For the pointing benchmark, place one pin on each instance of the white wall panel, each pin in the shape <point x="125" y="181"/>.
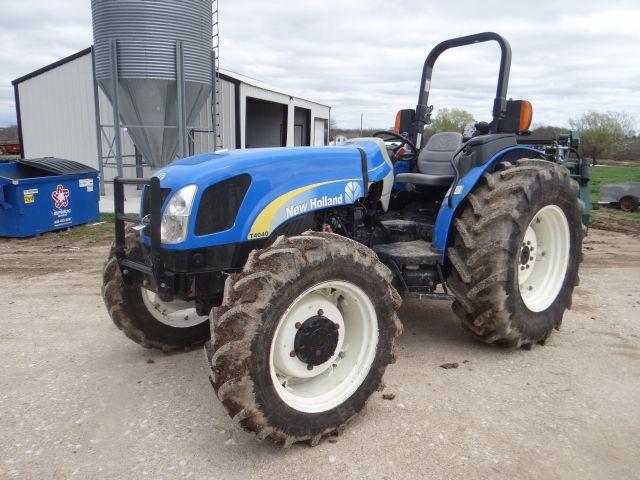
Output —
<point x="203" y="142"/>
<point x="57" y="113"/>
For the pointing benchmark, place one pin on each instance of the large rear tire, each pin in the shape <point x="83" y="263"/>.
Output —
<point x="303" y="336"/>
<point x="142" y="316"/>
<point x="516" y="251"/>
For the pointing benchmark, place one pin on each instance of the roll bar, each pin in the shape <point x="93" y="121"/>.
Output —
<point x="423" y="110"/>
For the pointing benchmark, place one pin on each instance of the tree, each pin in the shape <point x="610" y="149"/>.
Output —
<point x="9" y="134"/>
<point x="599" y="133"/>
<point x="627" y="122"/>
<point x="453" y="120"/>
<point x="547" y="131"/>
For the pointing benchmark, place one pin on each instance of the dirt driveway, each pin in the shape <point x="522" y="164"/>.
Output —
<point x="79" y="400"/>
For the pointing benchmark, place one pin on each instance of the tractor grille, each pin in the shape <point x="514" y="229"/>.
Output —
<point x="220" y="203"/>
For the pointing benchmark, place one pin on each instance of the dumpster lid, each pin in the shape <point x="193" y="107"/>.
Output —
<point x="57" y="166"/>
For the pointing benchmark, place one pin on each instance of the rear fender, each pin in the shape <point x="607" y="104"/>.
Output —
<point x="465" y="185"/>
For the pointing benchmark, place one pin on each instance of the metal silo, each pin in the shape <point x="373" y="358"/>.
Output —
<point x="153" y="59"/>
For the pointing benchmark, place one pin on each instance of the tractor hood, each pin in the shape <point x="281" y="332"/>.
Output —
<point x="285" y="183"/>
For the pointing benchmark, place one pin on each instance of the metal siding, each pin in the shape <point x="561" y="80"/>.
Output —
<point x="57" y="113"/>
<point x="228" y="114"/>
<point x="147" y="33"/>
<point x="203" y="143"/>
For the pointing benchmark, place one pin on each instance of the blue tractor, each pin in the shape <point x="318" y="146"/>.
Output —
<point x="290" y="263"/>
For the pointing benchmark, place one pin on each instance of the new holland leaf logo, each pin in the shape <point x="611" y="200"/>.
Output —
<point x="60" y="196"/>
<point x="352" y="191"/>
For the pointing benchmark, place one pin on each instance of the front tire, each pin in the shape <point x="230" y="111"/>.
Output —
<point x="303" y="336"/>
<point x="516" y="252"/>
<point x="142" y="316"/>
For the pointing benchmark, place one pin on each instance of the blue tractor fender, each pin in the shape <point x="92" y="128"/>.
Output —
<point x="465" y="185"/>
<point x="285" y="183"/>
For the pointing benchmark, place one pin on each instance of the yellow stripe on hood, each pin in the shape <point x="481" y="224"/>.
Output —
<point x="262" y="224"/>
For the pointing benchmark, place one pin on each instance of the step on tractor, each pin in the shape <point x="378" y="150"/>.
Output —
<point x="290" y="264"/>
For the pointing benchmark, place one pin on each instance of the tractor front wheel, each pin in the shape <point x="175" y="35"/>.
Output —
<point x="517" y="248"/>
<point x="142" y="315"/>
<point x="303" y="336"/>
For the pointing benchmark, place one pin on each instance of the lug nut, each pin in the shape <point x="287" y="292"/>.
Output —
<point x="528" y="242"/>
<point x="336" y="326"/>
<point x="298" y="325"/>
<point x="309" y="367"/>
<point x="320" y="312"/>
<point x="292" y="353"/>
<point x="528" y="266"/>
<point x="522" y="267"/>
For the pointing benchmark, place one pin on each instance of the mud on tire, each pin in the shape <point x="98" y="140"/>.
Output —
<point x="255" y="301"/>
<point x="129" y="313"/>
<point x="488" y="237"/>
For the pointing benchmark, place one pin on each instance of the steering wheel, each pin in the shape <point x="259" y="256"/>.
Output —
<point x="399" y="152"/>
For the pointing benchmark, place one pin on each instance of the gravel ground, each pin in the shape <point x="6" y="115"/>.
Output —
<point x="79" y="400"/>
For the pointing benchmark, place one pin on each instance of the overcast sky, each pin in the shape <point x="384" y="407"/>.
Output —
<point x="366" y="56"/>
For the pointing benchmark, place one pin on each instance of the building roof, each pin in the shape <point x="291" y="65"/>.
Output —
<point x="231" y="75"/>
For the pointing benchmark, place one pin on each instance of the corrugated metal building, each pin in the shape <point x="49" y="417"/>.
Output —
<point x="62" y="113"/>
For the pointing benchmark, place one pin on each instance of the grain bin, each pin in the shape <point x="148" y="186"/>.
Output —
<point x="162" y="53"/>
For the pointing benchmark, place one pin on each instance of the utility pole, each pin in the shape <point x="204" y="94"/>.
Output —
<point x="361" y="115"/>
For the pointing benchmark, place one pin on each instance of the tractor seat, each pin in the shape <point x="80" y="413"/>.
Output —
<point x="434" y="161"/>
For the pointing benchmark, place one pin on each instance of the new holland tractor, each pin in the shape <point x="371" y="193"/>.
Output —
<point x="290" y="263"/>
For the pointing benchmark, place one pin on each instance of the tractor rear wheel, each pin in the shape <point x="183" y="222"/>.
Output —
<point x="516" y="250"/>
<point x="142" y="316"/>
<point x="303" y="336"/>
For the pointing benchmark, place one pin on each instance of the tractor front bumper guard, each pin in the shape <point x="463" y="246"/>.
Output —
<point x="151" y="268"/>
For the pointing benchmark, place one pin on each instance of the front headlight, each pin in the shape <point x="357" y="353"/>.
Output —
<point x="175" y="219"/>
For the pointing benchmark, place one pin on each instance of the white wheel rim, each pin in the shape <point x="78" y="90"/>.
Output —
<point x="176" y="314"/>
<point x="331" y="383"/>
<point x="547" y="244"/>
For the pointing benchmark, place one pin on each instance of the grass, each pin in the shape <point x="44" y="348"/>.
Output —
<point x="98" y="232"/>
<point x="611" y="218"/>
<point x="612" y="174"/>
